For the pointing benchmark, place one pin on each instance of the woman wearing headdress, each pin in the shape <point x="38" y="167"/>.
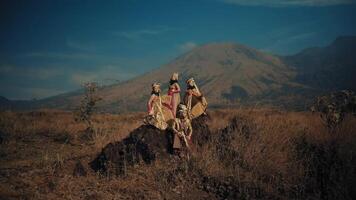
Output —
<point x="174" y="93"/>
<point x="154" y="106"/>
<point x="194" y="99"/>
<point x="183" y="131"/>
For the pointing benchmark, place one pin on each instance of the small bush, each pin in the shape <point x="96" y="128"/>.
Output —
<point x="87" y="106"/>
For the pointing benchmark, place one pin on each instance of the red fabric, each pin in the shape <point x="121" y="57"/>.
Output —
<point x="171" y="91"/>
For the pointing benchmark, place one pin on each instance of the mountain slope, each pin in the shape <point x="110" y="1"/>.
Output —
<point x="224" y="72"/>
<point x="234" y="74"/>
<point x="327" y="68"/>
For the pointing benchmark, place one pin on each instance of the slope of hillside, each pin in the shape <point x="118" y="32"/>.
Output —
<point x="225" y="73"/>
<point x="232" y="74"/>
<point x="329" y="68"/>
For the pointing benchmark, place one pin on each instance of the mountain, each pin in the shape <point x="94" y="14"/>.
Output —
<point x="234" y="74"/>
<point x="327" y="68"/>
<point x="224" y="72"/>
<point x="7" y="104"/>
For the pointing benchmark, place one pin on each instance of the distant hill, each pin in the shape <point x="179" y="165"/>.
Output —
<point x="4" y="102"/>
<point x="327" y="68"/>
<point x="224" y="72"/>
<point x="233" y="74"/>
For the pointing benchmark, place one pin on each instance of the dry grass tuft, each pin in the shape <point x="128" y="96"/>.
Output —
<point x="254" y="153"/>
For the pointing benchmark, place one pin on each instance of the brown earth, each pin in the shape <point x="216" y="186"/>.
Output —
<point x="255" y="153"/>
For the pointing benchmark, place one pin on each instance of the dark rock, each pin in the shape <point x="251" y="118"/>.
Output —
<point x="79" y="169"/>
<point x="2" y="137"/>
<point x="146" y="144"/>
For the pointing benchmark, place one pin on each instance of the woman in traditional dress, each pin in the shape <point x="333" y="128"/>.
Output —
<point x="154" y="106"/>
<point x="183" y="131"/>
<point x="194" y="100"/>
<point x="174" y="93"/>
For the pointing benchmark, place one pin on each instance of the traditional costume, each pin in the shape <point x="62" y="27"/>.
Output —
<point x="154" y="107"/>
<point x="174" y="93"/>
<point x="194" y="100"/>
<point x="182" y="130"/>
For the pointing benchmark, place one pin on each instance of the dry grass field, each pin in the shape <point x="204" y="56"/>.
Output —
<point x="271" y="154"/>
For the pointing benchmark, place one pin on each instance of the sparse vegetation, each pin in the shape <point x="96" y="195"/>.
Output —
<point x="255" y="153"/>
<point x="87" y="106"/>
<point x="334" y="107"/>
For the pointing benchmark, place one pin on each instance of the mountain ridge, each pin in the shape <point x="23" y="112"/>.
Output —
<point x="332" y="67"/>
<point x="232" y="74"/>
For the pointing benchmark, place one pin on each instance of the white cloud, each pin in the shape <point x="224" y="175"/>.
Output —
<point x="39" y="93"/>
<point x="282" y="3"/>
<point x="138" y="34"/>
<point x="289" y="41"/>
<point x="41" y="82"/>
<point x="62" y="56"/>
<point x="42" y="73"/>
<point x="27" y="93"/>
<point x="187" y="46"/>
<point x="5" y="68"/>
<point x="77" y="45"/>
<point x="83" y="77"/>
<point x="105" y="75"/>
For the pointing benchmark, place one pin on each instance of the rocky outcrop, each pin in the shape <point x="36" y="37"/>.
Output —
<point x="144" y="144"/>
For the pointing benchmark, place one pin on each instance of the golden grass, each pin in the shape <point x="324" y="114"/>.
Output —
<point x="41" y="148"/>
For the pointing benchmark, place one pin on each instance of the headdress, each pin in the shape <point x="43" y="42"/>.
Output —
<point x="190" y="80"/>
<point x="155" y="85"/>
<point x="174" y="76"/>
<point x="192" y="85"/>
<point x="182" y="107"/>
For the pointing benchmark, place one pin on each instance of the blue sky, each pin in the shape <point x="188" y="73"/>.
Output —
<point x="49" y="47"/>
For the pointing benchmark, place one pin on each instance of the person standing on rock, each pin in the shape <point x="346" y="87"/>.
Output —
<point x="182" y="129"/>
<point x="174" y="93"/>
<point x="154" y="106"/>
<point x="194" y="100"/>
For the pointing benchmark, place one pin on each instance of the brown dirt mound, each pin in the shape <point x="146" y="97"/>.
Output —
<point x="146" y="144"/>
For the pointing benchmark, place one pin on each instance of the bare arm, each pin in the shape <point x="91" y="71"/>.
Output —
<point x="175" y="128"/>
<point x="177" y="87"/>
<point x="190" y="131"/>
<point x="149" y="105"/>
<point x="196" y="93"/>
